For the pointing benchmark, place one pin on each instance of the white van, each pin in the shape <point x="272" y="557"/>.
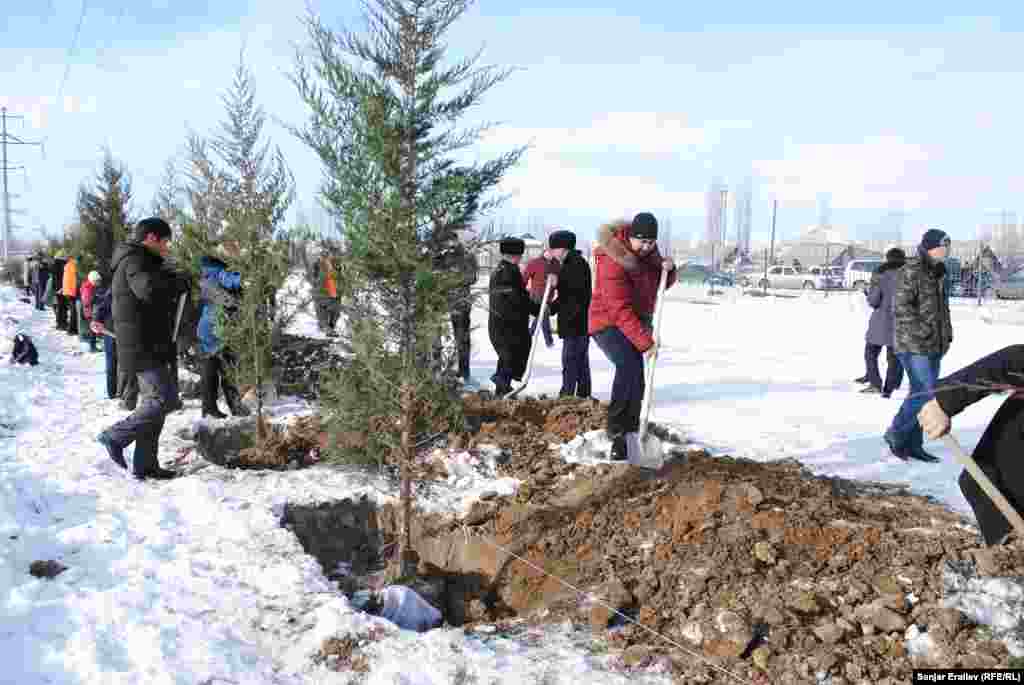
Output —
<point x="858" y="273"/>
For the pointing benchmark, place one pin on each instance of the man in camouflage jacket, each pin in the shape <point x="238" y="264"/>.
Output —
<point x="923" y="334"/>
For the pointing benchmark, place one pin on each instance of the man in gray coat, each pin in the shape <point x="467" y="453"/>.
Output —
<point x="881" y="328"/>
<point x="923" y="334"/>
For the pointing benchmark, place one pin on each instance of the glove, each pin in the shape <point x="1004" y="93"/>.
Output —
<point x="933" y="420"/>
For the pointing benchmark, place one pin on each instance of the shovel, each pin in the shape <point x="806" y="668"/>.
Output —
<point x="986" y="484"/>
<point x="650" y="446"/>
<point x="536" y="337"/>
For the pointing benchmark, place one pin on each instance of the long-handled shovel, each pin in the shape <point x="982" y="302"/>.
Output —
<point x="986" y="484"/>
<point x="536" y="337"/>
<point x="650" y="446"/>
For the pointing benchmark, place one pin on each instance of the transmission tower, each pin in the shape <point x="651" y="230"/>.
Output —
<point x="5" y="140"/>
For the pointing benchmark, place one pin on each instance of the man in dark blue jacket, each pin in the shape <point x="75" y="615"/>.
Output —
<point x="144" y="298"/>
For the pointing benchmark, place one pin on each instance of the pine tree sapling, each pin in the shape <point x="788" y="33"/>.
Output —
<point x="386" y="136"/>
<point x="103" y="217"/>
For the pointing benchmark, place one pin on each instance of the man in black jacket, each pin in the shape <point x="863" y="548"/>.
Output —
<point x="999" y="451"/>
<point x="573" y="305"/>
<point x="508" y="324"/>
<point x="144" y="297"/>
<point x="923" y="334"/>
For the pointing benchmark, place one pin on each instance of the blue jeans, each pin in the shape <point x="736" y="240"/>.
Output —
<point x="576" y="366"/>
<point x="144" y="425"/>
<point x="628" y="384"/>
<point x="110" y="357"/>
<point x="923" y="371"/>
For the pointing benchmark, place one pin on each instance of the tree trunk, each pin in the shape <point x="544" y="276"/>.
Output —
<point x="409" y="559"/>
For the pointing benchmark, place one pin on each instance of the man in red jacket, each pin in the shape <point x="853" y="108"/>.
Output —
<point x="536" y="275"/>
<point x="628" y="269"/>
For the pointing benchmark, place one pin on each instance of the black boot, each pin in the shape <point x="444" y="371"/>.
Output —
<point x="919" y="454"/>
<point x="234" y="400"/>
<point x="619" y="452"/>
<point x="210" y="382"/>
<point x="862" y="379"/>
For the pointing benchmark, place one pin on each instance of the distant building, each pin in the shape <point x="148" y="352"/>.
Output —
<point x="490" y="253"/>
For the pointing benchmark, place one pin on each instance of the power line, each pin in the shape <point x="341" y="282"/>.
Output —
<point x="71" y="52"/>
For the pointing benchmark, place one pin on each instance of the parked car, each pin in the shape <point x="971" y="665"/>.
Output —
<point x="831" y="276"/>
<point x="1011" y="288"/>
<point x="719" y="279"/>
<point x="790" y="277"/>
<point x="858" y="273"/>
<point x="692" y="273"/>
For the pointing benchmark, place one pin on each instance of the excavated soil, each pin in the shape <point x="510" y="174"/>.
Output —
<point x="760" y="568"/>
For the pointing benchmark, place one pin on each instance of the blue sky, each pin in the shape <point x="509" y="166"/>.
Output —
<point x="629" y="106"/>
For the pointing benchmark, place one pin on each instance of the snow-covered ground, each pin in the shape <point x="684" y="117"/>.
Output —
<point x="769" y="378"/>
<point x="194" y="580"/>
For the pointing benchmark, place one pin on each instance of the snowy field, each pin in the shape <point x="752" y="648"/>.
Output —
<point x="193" y="581"/>
<point x="770" y="378"/>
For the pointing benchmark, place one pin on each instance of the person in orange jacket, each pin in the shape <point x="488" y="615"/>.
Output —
<point x="70" y="289"/>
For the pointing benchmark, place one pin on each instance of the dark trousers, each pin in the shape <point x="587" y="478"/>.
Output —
<point x="628" y="384"/>
<point x="71" y="303"/>
<point x="110" y="356"/>
<point x="461" y="333"/>
<point x="40" y="293"/>
<point x="144" y="425"/>
<point x="61" y="312"/>
<point x="923" y="371"/>
<point x="128" y="390"/>
<point x="576" y="366"/>
<point x="893" y="370"/>
<point x="214" y="378"/>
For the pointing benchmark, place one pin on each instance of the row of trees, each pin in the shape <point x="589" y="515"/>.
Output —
<point x="383" y="112"/>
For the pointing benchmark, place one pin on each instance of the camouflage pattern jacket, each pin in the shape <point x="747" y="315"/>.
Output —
<point x="921" y="307"/>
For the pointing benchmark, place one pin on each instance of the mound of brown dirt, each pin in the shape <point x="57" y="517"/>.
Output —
<point x="761" y="568"/>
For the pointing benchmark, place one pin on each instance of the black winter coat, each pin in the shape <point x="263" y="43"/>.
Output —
<point x="574" y="291"/>
<point x="881" y="328"/>
<point x="508" y="323"/>
<point x="999" y="451"/>
<point x="57" y="274"/>
<point x="921" y="308"/>
<point x="144" y="297"/>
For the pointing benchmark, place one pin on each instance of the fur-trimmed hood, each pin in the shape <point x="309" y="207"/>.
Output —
<point x="613" y="241"/>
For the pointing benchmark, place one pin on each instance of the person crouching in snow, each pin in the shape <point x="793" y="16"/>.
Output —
<point x="508" y="324"/>
<point x="628" y="269"/>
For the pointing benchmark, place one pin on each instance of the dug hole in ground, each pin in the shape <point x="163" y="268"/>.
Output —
<point x="739" y="561"/>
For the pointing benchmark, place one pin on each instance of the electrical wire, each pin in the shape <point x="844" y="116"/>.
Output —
<point x="71" y="52"/>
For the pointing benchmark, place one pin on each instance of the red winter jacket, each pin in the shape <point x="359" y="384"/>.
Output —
<point x="87" y="292"/>
<point x="625" y="286"/>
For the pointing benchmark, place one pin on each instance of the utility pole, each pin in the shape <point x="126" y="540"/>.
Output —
<point x="724" y="227"/>
<point x="775" y="208"/>
<point x="5" y="140"/>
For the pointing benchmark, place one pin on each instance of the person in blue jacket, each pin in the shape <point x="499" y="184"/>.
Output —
<point x="219" y="294"/>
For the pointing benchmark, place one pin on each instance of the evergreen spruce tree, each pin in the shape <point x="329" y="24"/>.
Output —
<point x="103" y="216"/>
<point x="239" y="190"/>
<point x="383" y="116"/>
